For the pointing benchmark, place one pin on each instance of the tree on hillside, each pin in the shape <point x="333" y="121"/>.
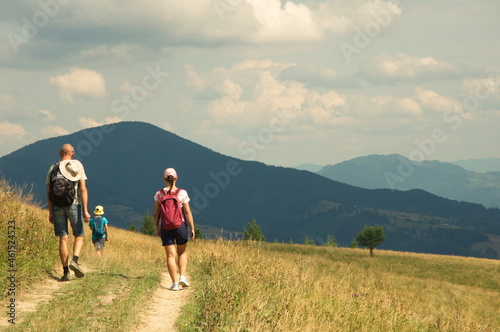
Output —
<point x="197" y="233"/>
<point x="148" y="226"/>
<point x="370" y="237"/>
<point x="252" y="231"/>
<point x="309" y="241"/>
<point x="331" y="241"/>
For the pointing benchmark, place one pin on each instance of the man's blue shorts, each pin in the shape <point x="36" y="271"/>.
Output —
<point x="61" y="216"/>
<point x="177" y="236"/>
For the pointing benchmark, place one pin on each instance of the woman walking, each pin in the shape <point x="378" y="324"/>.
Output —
<point x="171" y="212"/>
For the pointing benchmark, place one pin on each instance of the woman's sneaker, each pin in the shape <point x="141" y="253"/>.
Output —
<point x="175" y="286"/>
<point x="183" y="281"/>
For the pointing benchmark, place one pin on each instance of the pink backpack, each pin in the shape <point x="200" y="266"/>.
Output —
<point x="171" y="213"/>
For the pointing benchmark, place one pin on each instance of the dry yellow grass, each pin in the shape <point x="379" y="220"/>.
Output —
<point x="32" y="231"/>
<point x="275" y="287"/>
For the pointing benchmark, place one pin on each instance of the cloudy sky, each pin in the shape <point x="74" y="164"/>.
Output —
<point x="282" y="82"/>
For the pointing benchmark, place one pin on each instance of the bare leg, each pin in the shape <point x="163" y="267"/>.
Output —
<point x="78" y="245"/>
<point x="63" y="249"/>
<point x="171" y="264"/>
<point x="181" y="251"/>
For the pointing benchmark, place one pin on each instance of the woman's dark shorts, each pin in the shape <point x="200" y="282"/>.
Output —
<point x="177" y="236"/>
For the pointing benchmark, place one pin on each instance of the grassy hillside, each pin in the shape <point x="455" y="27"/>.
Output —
<point x="276" y="287"/>
<point x="227" y="193"/>
<point x="249" y="286"/>
<point x="25" y="233"/>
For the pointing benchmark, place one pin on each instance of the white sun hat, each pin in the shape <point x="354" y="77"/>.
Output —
<point x="71" y="169"/>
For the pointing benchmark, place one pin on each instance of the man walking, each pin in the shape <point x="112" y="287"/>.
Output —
<point x="67" y="199"/>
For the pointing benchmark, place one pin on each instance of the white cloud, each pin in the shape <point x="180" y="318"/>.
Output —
<point x="80" y="82"/>
<point x="313" y="74"/>
<point x="342" y="17"/>
<point x="193" y="79"/>
<point x="90" y="123"/>
<point x="227" y="110"/>
<point x="53" y="131"/>
<point x="233" y="68"/>
<point x="128" y="88"/>
<point x="12" y="137"/>
<point x="481" y="93"/>
<point x="403" y="67"/>
<point x="7" y="103"/>
<point x="122" y="31"/>
<point x="48" y="115"/>
<point x="11" y="131"/>
<point x="267" y="94"/>
<point x="482" y="86"/>
<point x="101" y="53"/>
<point x="166" y="126"/>
<point x="229" y="89"/>
<point x="433" y="101"/>
<point x="303" y="107"/>
<point x="395" y="105"/>
<point x="291" y="22"/>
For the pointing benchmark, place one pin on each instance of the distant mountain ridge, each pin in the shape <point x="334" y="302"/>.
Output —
<point x="480" y="165"/>
<point x="397" y="172"/>
<point x="309" y="167"/>
<point x="124" y="163"/>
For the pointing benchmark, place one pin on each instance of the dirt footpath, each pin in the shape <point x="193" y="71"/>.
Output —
<point x="163" y="309"/>
<point x="41" y="292"/>
<point x="159" y="315"/>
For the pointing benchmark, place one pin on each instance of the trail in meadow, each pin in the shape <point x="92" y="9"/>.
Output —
<point x="30" y="300"/>
<point x="163" y="309"/>
<point x="159" y="314"/>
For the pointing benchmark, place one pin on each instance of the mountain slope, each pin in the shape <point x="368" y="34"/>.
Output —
<point x="480" y="165"/>
<point x="309" y="167"/>
<point x="124" y="163"/>
<point x="397" y="172"/>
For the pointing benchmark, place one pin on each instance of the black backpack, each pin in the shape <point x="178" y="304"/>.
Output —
<point x="62" y="191"/>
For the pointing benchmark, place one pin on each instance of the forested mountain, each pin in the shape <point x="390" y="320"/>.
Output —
<point x="397" y="172"/>
<point x="124" y="163"/>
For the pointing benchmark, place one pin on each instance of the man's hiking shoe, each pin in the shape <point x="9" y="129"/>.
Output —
<point x="175" y="286"/>
<point x="75" y="267"/>
<point x="183" y="281"/>
<point x="65" y="277"/>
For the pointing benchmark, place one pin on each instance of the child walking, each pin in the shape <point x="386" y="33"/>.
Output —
<point x="174" y="237"/>
<point x="99" y="226"/>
